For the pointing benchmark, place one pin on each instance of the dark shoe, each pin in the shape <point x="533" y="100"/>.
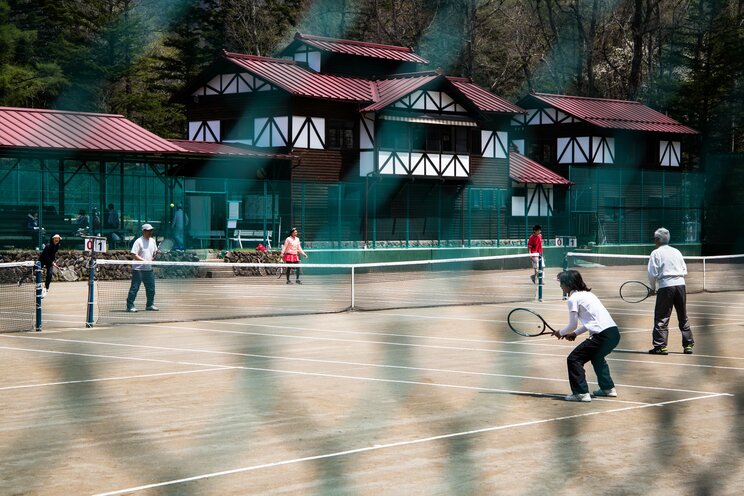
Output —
<point x="298" y="282"/>
<point x="289" y="282"/>
<point x="605" y="393"/>
<point x="688" y="349"/>
<point x="532" y="278"/>
<point x="658" y="350"/>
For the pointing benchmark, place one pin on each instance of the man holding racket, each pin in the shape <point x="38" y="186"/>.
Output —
<point x="667" y="268"/>
<point x="585" y="308"/>
<point x="144" y="249"/>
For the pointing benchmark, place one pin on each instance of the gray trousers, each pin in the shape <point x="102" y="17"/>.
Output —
<point x="666" y="299"/>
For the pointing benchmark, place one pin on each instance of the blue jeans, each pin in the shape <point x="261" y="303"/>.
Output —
<point x="138" y="277"/>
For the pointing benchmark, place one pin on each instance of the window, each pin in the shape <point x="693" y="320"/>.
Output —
<point x="237" y="129"/>
<point x="340" y="134"/>
<point x="461" y="140"/>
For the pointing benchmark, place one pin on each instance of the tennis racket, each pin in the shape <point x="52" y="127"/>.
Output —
<point x="525" y="322"/>
<point x="166" y="246"/>
<point x="635" y="291"/>
<point x="66" y="273"/>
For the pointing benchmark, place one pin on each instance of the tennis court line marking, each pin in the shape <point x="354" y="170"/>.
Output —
<point x="523" y="342"/>
<point x="413" y="345"/>
<point x="228" y="353"/>
<point x="119" y="378"/>
<point x="338" y="376"/>
<point x="398" y="444"/>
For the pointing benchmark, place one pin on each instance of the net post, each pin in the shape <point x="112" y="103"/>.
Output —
<point x="37" y="278"/>
<point x="540" y="277"/>
<point x="704" y="288"/>
<point x="565" y="268"/>
<point x="353" y="289"/>
<point x="91" y="290"/>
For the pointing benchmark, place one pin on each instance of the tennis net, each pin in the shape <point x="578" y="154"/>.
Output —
<point x="216" y="290"/>
<point x="18" y="308"/>
<point x="605" y="273"/>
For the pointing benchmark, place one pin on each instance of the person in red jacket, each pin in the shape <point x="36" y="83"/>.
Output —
<point x="534" y="247"/>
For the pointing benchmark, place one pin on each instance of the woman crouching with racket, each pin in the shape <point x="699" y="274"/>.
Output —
<point x="585" y="308"/>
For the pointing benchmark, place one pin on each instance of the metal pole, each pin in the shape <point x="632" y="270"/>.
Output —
<point x="91" y="286"/>
<point x="37" y="274"/>
<point x="540" y="277"/>
<point x="353" y="289"/>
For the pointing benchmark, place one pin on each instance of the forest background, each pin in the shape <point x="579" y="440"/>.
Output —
<point x="682" y="57"/>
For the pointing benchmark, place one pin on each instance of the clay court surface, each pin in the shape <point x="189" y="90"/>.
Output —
<point x="417" y="401"/>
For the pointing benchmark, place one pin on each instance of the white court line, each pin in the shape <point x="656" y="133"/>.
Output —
<point x="356" y="364"/>
<point x="412" y="345"/>
<point x="391" y="445"/>
<point x="335" y="376"/>
<point x="105" y="379"/>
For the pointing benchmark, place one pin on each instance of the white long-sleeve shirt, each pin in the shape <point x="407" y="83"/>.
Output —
<point x="667" y="267"/>
<point x="584" y="306"/>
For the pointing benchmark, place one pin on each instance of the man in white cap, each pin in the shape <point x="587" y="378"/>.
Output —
<point x="144" y="249"/>
<point x="667" y="267"/>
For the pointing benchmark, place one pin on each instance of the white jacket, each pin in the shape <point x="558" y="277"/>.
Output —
<point x="667" y="267"/>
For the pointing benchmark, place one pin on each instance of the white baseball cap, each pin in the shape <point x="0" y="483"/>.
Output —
<point x="147" y="227"/>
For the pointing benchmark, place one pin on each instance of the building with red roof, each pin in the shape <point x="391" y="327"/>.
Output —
<point x="367" y="118"/>
<point x="619" y="154"/>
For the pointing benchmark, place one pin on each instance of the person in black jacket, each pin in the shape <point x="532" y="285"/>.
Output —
<point x="47" y="259"/>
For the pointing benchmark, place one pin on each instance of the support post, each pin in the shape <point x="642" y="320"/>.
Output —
<point x="540" y="277"/>
<point x="37" y="278"/>
<point x="91" y="289"/>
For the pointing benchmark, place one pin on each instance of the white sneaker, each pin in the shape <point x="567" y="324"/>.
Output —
<point x="43" y="292"/>
<point x="582" y="397"/>
<point x="132" y="310"/>
<point x="605" y="393"/>
<point x="152" y="308"/>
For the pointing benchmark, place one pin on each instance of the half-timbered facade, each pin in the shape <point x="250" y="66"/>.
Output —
<point x="359" y="117"/>
<point x="630" y="165"/>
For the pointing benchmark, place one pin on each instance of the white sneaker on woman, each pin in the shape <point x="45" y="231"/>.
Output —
<point x="582" y="397"/>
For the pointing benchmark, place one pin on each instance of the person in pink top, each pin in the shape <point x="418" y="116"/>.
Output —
<point x="535" y="247"/>
<point x="291" y="252"/>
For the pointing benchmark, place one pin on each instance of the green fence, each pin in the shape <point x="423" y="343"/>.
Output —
<point x="604" y="206"/>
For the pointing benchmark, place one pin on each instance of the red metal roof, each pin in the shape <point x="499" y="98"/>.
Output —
<point x="60" y="130"/>
<point x="485" y="100"/>
<point x="361" y="48"/>
<point x="300" y="81"/>
<point x="527" y="171"/>
<point x="615" y="114"/>
<point x="388" y="91"/>
<point x="225" y="149"/>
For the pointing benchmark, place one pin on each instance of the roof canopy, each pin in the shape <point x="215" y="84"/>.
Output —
<point x="526" y="171"/>
<point x="28" y="130"/>
<point x="358" y="48"/>
<point x="614" y="114"/>
<point x="25" y="128"/>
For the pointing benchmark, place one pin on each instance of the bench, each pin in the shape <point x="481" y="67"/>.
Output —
<point x="247" y="235"/>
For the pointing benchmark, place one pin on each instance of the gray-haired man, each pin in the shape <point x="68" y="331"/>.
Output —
<point x="667" y="267"/>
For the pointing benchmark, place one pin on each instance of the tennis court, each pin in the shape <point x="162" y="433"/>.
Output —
<point x="429" y="400"/>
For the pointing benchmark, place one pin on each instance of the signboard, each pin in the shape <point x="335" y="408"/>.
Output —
<point x="97" y="245"/>
<point x="566" y="241"/>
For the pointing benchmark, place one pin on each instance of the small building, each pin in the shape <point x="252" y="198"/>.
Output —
<point x="633" y="169"/>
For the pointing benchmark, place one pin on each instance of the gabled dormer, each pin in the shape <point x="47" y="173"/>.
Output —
<point x="350" y="57"/>
<point x="563" y="130"/>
